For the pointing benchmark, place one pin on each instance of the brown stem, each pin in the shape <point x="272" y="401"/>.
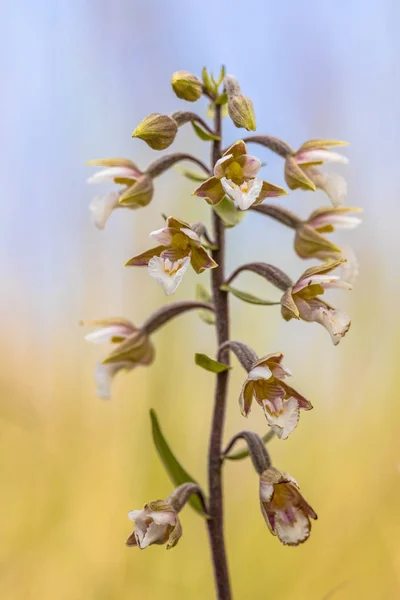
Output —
<point x="220" y="298"/>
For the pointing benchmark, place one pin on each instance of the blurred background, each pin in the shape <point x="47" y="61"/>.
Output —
<point x="77" y="78"/>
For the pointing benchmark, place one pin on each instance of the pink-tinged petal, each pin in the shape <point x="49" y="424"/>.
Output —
<point x="317" y="144"/>
<point x="106" y="334"/>
<point x="135" y="514"/>
<point x="113" y="173"/>
<point x="116" y="162"/>
<point x="285" y="420"/>
<point x="163" y="517"/>
<point x="191" y="234"/>
<point x="101" y="208"/>
<point x="260" y="372"/>
<point x="163" y="236"/>
<point x="250" y="166"/>
<point x="168" y="274"/>
<point x="319" y="156"/>
<point x="292" y="531"/>
<point x="219" y="169"/>
<point x="174" y="254"/>
<point x="327" y="219"/>
<point x="211" y="190"/>
<point x="322" y="280"/>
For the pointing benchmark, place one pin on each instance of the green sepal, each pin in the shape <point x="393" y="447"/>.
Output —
<point x="203" y="134"/>
<point x="246" y="297"/>
<point x="209" y="364"/>
<point x="203" y="295"/>
<point x="245" y="453"/>
<point x="228" y="212"/>
<point x="176" y="472"/>
<point x="190" y="174"/>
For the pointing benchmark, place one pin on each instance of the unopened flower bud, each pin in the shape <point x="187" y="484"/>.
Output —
<point x="158" y="131"/>
<point x="186" y="86"/>
<point x="240" y="107"/>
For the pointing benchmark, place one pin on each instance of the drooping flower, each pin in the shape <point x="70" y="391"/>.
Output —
<point x="280" y="402"/>
<point x="168" y="262"/>
<point x="301" y="169"/>
<point x="235" y="174"/>
<point x="284" y="509"/>
<point x="301" y="301"/>
<point x="310" y="241"/>
<point x="157" y="523"/>
<point x="132" y="348"/>
<point x="137" y="188"/>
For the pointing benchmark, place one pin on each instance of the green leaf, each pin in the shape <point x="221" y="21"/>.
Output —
<point x="203" y="134"/>
<point x="176" y="472"/>
<point x="203" y="295"/>
<point x="247" y="297"/>
<point x="222" y="99"/>
<point x="209" y="364"/>
<point x="221" y="75"/>
<point x="228" y="212"/>
<point x="190" y="174"/>
<point x="245" y="453"/>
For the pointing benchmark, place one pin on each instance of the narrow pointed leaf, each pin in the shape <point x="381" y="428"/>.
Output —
<point x="228" y="212"/>
<point x="176" y="472"/>
<point x="203" y="295"/>
<point x="209" y="364"/>
<point x="246" y="297"/>
<point x="190" y="174"/>
<point x="204" y="135"/>
<point x="245" y="453"/>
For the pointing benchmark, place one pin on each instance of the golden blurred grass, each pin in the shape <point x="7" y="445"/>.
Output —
<point x="73" y="466"/>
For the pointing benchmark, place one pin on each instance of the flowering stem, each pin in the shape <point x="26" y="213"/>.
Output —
<point x="220" y="298"/>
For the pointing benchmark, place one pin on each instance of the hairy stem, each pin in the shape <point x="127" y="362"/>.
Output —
<point x="220" y="298"/>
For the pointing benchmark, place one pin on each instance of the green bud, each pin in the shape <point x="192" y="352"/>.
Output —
<point x="186" y="86"/>
<point x="240" y="107"/>
<point x="158" y="131"/>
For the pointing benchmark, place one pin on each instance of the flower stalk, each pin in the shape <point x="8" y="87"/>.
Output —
<point x="215" y="522"/>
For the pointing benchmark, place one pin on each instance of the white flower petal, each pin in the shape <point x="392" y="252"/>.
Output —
<point x="105" y="334"/>
<point x="244" y="195"/>
<point x="154" y="533"/>
<point x="251" y="166"/>
<point x="333" y="185"/>
<point x="163" y="517"/>
<point x="286" y="420"/>
<point x="104" y="375"/>
<point x="133" y="515"/>
<point x="163" y="236"/>
<point x="168" y="274"/>
<point x="320" y="155"/>
<point x="350" y="268"/>
<point x="219" y="166"/>
<point x="292" y="532"/>
<point x="101" y="208"/>
<point x="191" y="234"/>
<point x="266" y="491"/>
<point x="113" y="173"/>
<point x="259" y="373"/>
